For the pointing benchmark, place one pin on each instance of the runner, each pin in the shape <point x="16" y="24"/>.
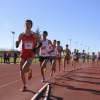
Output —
<point x="52" y="58"/>
<point x="27" y="55"/>
<point x="74" y="58"/>
<point x="44" y="53"/>
<point x="59" y="52"/>
<point x="93" y="58"/>
<point x="98" y="59"/>
<point x="67" y="54"/>
<point x="83" y="55"/>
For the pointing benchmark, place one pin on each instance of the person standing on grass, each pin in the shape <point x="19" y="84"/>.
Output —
<point x="28" y="51"/>
<point x="5" y="57"/>
<point x="15" y="57"/>
<point x="8" y="57"/>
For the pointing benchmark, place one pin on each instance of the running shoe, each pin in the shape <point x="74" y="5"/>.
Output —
<point x="23" y="88"/>
<point x="43" y="80"/>
<point x="51" y="74"/>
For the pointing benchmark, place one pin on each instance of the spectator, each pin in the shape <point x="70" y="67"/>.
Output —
<point x="5" y="57"/>
<point x="15" y="57"/>
<point x="8" y="58"/>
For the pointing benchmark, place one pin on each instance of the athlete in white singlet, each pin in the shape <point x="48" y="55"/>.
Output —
<point x="74" y="58"/>
<point x="44" y="53"/>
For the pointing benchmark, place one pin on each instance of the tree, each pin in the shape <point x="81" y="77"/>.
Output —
<point x="38" y="32"/>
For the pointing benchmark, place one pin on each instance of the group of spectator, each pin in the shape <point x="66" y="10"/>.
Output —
<point x="7" y="57"/>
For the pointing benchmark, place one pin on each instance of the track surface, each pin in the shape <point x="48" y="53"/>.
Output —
<point x="10" y="82"/>
<point x="83" y="84"/>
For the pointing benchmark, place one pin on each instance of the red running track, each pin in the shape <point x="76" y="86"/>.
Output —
<point x="10" y="81"/>
<point x="83" y="84"/>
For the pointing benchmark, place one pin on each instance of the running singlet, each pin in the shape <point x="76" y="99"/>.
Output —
<point x="44" y="49"/>
<point x="54" y="53"/>
<point x="83" y="55"/>
<point x="67" y="53"/>
<point x="59" y="49"/>
<point x="99" y="56"/>
<point x="74" y="56"/>
<point x="28" y="43"/>
<point x="93" y="57"/>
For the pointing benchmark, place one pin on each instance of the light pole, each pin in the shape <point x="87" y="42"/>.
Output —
<point x="85" y="48"/>
<point x="76" y="45"/>
<point x="81" y="47"/>
<point x="70" y="43"/>
<point x="13" y="38"/>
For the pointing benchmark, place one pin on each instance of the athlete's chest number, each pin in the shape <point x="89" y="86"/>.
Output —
<point x="28" y="45"/>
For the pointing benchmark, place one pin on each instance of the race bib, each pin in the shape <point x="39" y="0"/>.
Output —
<point x="43" y="53"/>
<point x="53" y="54"/>
<point x="43" y="47"/>
<point x="28" y="46"/>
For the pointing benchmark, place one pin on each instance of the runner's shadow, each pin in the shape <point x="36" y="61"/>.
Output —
<point x="75" y="80"/>
<point x="83" y="89"/>
<point x="30" y="91"/>
<point x="55" y="98"/>
<point x="77" y="76"/>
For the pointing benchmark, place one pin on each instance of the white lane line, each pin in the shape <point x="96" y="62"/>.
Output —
<point x="9" y="74"/>
<point x="15" y="81"/>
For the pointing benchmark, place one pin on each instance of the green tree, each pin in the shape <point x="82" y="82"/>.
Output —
<point x="38" y="33"/>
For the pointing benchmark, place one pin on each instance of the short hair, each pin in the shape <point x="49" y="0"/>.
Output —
<point x="45" y="32"/>
<point x="54" y="40"/>
<point x="58" y="41"/>
<point x="67" y="45"/>
<point x="29" y="21"/>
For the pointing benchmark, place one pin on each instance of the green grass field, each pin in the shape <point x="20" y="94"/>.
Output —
<point x="18" y="59"/>
<point x="35" y="60"/>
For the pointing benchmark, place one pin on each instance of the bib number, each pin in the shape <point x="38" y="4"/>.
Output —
<point x="28" y="46"/>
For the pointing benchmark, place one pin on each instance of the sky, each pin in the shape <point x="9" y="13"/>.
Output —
<point x="78" y="20"/>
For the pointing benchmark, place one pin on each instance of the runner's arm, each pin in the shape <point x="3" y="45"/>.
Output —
<point x="51" y="45"/>
<point x="19" y="40"/>
<point x="39" y="42"/>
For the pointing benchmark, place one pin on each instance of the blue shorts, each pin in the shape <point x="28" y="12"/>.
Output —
<point x="93" y="59"/>
<point x="51" y="58"/>
<point x="83" y="58"/>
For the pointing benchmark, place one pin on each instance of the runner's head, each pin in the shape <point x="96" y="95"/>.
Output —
<point x="74" y="50"/>
<point x="58" y="43"/>
<point x="83" y="51"/>
<point x="93" y="53"/>
<point x="45" y="34"/>
<point x="28" y="24"/>
<point x="67" y="46"/>
<point x="54" y="42"/>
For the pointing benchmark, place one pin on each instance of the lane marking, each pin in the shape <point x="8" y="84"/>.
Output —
<point x="15" y="81"/>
